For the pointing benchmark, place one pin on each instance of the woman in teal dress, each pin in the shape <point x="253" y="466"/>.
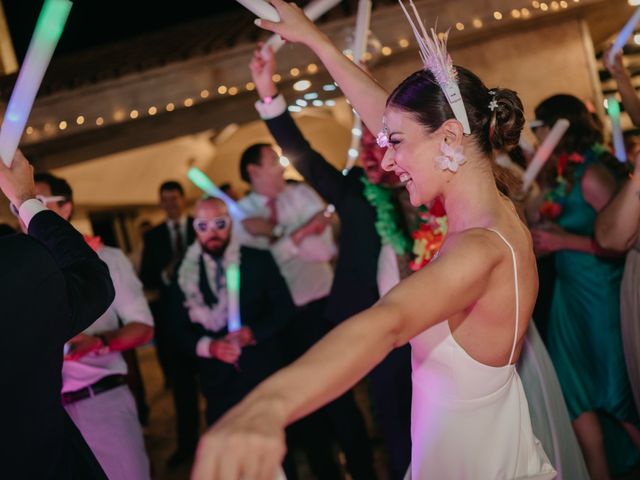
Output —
<point x="584" y="330"/>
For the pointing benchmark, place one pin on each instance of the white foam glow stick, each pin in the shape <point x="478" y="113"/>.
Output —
<point x="204" y="183"/>
<point x="360" y="35"/>
<point x="544" y="152"/>
<point x="624" y="35"/>
<point x="51" y="21"/>
<point x="613" y="110"/>
<point x="261" y="9"/>
<point x="313" y="11"/>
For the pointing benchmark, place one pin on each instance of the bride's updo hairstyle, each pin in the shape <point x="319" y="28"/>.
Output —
<point x="497" y="129"/>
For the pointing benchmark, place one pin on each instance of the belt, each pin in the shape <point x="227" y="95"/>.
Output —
<point x="102" y="385"/>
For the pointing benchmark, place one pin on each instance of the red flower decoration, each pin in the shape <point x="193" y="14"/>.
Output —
<point x="550" y="210"/>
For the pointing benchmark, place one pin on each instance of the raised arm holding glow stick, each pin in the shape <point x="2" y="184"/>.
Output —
<point x="544" y="152"/>
<point x="613" y="110"/>
<point x="313" y="11"/>
<point x="624" y="34"/>
<point x="49" y="27"/>
<point x="205" y="184"/>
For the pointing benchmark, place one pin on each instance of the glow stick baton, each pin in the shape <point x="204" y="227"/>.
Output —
<point x="203" y="182"/>
<point x="49" y="26"/>
<point x="624" y="35"/>
<point x="233" y="292"/>
<point x="313" y="11"/>
<point x="613" y="110"/>
<point x="261" y="9"/>
<point x="361" y="32"/>
<point x="544" y="152"/>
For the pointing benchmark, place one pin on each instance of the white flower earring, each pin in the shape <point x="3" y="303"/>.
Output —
<point x="451" y="158"/>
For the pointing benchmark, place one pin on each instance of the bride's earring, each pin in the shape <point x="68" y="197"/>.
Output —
<point x="451" y="158"/>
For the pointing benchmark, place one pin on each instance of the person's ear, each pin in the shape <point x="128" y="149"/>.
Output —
<point x="453" y="132"/>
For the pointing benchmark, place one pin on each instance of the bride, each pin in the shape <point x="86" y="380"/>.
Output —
<point x="465" y="314"/>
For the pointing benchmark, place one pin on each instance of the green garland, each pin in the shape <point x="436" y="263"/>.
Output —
<point x="386" y="217"/>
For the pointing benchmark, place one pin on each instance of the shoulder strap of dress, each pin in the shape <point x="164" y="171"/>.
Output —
<point x="515" y="277"/>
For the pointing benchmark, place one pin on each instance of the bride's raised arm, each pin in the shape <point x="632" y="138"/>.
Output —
<point x="365" y="94"/>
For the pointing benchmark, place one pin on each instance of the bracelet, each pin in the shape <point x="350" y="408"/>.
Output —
<point x="268" y="100"/>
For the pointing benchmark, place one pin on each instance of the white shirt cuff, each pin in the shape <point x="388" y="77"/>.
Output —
<point x="202" y="347"/>
<point x="29" y="209"/>
<point x="271" y="110"/>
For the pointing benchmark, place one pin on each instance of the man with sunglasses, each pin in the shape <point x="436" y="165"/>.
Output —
<point x="94" y="389"/>
<point x="230" y="365"/>
<point x="52" y="286"/>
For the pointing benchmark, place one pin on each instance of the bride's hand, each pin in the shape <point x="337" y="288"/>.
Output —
<point x="294" y="26"/>
<point x="247" y="443"/>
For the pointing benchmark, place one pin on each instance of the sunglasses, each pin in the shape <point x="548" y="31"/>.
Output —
<point x="203" y="225"/>
<point x="42" y="199"/>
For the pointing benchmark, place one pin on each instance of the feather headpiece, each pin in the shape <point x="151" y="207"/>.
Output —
<point x="436" y="59"/>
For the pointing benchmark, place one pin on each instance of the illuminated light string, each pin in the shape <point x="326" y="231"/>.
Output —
<point x="48" y="30"/>
<point x="613" y="110"/>
<point x="476" y="22"/>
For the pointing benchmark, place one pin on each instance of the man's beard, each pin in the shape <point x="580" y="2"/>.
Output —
<point x="215" y="251"/>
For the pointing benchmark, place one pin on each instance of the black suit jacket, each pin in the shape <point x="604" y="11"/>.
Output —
<point x="355" y="285"/>
<point x="265" y="306"/>
<point x="158" y="253"/>
<point x="52" y="286"/>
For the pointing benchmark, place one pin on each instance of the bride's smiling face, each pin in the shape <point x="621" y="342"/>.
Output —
<point x="411" y="155"/>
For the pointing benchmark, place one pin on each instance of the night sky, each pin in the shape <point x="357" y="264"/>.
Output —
<point x="98" y="22"/>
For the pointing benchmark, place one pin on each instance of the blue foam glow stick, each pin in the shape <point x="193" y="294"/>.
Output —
<point x="205" y="184"/>
<point x="49" y="27"/>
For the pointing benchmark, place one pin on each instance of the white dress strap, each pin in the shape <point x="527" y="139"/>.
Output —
<point x="515" y="276"/>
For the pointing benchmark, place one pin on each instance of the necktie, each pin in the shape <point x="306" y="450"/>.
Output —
<point x="179" y="245"/>
<point x="273" y="211"/>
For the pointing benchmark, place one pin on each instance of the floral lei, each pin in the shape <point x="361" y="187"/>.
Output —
<point x="555" y="199"/>
<point x="428" y="233"/>
<point x="212" y="318"/>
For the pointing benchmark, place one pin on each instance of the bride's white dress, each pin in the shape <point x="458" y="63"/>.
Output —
<point x="470" y="420"/>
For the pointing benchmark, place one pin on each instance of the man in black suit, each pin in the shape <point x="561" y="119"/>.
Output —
<point x="365" y="269"/>
<point x="230" y="364"/>
<point x="164" y="247"/>
<point x="52" y="286"/>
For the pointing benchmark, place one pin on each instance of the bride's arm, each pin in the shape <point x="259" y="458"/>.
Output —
<point x="365" y="94"/>
<point x="248" y="442"/>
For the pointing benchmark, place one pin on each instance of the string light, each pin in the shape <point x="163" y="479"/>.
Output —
<point x="313" y="68"/>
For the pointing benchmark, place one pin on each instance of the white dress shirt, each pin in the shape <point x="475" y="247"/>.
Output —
<point x="305" y="267"/>
<point x="129" y="305"/>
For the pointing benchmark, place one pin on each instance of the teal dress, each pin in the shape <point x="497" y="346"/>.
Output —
<point x="584" y="330"/>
